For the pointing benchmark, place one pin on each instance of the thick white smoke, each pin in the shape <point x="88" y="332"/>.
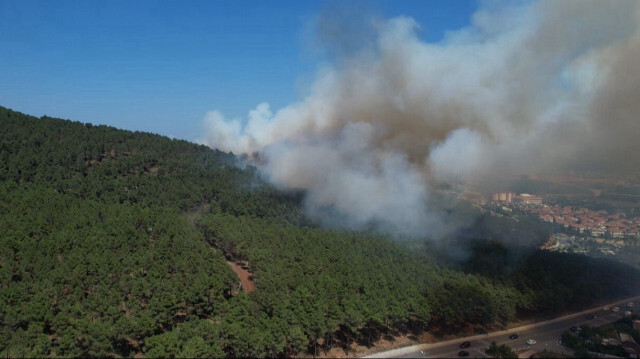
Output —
<point x="525" y="89"/>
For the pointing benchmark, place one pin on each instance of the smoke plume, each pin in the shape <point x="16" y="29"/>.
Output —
<point x="530" y="88"/>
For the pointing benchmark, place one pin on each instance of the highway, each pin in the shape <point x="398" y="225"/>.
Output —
<point x="546" y="334"/>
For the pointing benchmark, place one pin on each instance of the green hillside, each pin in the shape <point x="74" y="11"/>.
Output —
<point x="114" y="243"/>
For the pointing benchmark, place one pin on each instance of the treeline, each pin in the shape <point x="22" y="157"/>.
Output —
<point x="113" y="243"/>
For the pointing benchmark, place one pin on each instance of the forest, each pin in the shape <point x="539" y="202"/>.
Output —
<point x="115" y="244"/>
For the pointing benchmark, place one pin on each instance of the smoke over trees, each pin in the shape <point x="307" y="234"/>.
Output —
<point x="526" y="88"/>
<point x="114" y="245"/>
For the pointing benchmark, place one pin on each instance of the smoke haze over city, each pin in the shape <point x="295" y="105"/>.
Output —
<point x="526" y="89"/>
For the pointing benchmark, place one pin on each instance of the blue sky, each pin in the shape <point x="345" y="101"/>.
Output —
<point x="160" y="66"/>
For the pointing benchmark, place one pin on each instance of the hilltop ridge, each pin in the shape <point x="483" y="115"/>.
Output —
<point x="114" y="243"/>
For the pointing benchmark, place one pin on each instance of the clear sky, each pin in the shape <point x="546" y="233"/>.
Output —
<point x="160" y="66"/>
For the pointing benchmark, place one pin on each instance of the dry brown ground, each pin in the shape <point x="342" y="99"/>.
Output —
<point x="244" y="275"/>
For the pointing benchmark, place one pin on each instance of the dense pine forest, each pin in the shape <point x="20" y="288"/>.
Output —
<point x="114" y="243"/>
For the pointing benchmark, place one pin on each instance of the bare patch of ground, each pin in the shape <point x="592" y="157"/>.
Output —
<point x="246" y="282"/>
<point x="153" y="170"/>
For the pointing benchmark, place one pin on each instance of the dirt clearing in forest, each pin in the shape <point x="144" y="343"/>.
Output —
<point x="247" y="283"/>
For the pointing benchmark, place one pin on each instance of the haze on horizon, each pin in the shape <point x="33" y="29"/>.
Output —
<point x="528" y="88"/>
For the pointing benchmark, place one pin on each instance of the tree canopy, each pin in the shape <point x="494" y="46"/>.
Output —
<point x="114" y="243"/>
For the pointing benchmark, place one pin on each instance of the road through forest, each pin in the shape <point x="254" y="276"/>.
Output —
<point x="546" y="334"/>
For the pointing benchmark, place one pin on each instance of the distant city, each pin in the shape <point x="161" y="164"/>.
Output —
<point x="574" y="229"/>
<point x="598" y="224"/>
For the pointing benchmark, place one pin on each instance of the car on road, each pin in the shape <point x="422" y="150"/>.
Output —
<point x="591" y="316"/>
<point x="576" y="329"/>
<point x="465" y="345"/>
<point x="615" y="309"/>
<point x="531" y="342"/>
<point x="605" y="308"/>
<point x="463" y="353"/>
<point x="514" y="336"/>
<point x="631" y="304"/>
